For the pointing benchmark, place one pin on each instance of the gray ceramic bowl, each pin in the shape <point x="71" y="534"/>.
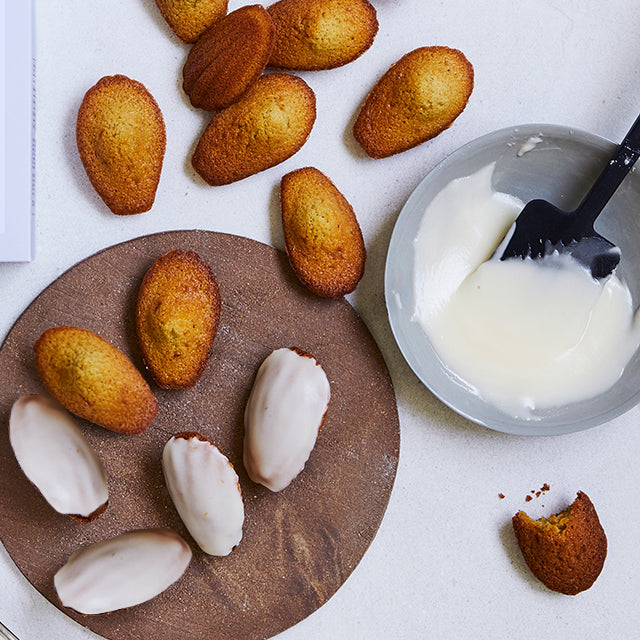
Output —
<point x="560" y="168"/>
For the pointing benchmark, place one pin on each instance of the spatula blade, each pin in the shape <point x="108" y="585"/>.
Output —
<point x="596" y="253"/>
<point x="542" y="229"/>
<point x="538" y="224"/>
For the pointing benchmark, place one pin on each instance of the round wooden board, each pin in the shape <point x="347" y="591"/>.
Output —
<point x="299" y="545"/>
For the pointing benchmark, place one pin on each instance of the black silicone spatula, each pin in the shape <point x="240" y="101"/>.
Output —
<point x="541" y="228"/>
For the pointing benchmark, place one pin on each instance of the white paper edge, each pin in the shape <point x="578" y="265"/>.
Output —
<point x="18" y="117"/>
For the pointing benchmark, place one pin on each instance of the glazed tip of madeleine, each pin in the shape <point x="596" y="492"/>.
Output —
<point x="121" y="572"/>
<point x="56" y="457"/>
<point x="566" y="552"/>
<point x="269" y="124"/>
<point x="228" y="58"/>
<point x="283" y="416"/>
<point x="323" y="239"/>
<point x="312" y="35"/>
<point x="94" y="380"/>
<point x="121" y="139"/>
<point x="415" y="100"/>
<point x="177" y="318"/>
<point x="205" y="490"/>
<point x="189" y="19"/>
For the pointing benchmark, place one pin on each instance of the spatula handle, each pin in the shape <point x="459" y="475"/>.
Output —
<point x="613" y="174"/>
<point x="632" y="139"/>
<point x="6" y="634"/>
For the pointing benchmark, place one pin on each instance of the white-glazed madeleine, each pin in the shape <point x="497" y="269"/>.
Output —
<point x="205" y="491"/>
<point x="56" y="457"/>
<point x="123" y="571"/>
<point x="283" y="416"/>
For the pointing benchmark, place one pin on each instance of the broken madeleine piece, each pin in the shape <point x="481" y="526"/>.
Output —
<point x="269" y="124"/>
<point x="321" y="34"/>
<point x="205" y="490"/>
<point x="94" y="380"/>
<point x="322" y="236"/>
<point x="189" y="19"/>
<point x="566" y="552"/>
<point x="122" y="572"/>
<point x="121" y="139"/>
<point x="228" y="58"/>
<point x="56" y="457"/>
<point x="285" y="411"/>
<point x="416" y="99"/>
<point x="177" y="318"/>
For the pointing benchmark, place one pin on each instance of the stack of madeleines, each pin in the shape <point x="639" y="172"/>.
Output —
<point x="260" y="119"/>
<point x="177" y="316"/>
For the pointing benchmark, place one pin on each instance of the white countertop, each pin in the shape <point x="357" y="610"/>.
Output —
<point x="444" y="562"/>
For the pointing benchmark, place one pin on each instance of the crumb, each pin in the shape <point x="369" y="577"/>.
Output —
<point x="501" y="496"/>
<point x="538" y="492"/>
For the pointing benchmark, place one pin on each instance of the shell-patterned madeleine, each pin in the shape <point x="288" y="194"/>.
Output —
<point x="205" y="490"/>
<point x="94" y="380"/>
<point x="228" y="58"/>
<point x="56" y="457"/>
<point x="121" y="139"/>
<point x="566" y="552"/>
<point x="177" y="318"/>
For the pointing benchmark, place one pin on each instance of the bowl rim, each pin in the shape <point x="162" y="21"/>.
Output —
<point x="515" y="426"/>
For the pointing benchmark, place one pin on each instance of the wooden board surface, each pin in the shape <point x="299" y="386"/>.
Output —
<point x="299" y="545"/>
